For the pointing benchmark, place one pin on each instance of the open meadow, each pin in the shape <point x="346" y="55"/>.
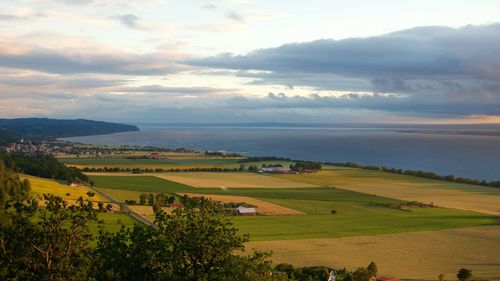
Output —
<point x="442" y="193"/>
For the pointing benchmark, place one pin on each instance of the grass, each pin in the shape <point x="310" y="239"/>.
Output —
<point x="356" y="215"/>
<point x="113" y="222"/>
<point x="355" y="222"/>
<point x="140" y="183"/>
<point x="446" y="194"/>
<point x="41" y="186"/>
<point x="410" y="256"/>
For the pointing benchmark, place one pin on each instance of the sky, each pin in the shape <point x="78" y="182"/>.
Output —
<point x="315" y="61"/>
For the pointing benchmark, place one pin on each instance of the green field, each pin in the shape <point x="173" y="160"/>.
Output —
<point x="356" y="213"/>
<point x="113" y="222"/>
<point x="476" y="198"/>
<point x="141" y="183"/>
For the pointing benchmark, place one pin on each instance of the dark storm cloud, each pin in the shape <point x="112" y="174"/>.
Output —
<point x="51" y="61"/>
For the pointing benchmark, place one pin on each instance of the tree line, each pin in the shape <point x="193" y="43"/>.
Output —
<point x="155" y="170"/>
<point x="42" y="165"/>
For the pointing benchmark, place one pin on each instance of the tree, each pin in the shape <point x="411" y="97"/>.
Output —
<point x="464" y="274"/>
<point x="372" y="267"/>
<point x="196" y="242"/>
<point x="361" y="274"/>
<point x="441" y="277"/>
<point x="55" y="246"/>
<point x="142" y="199"/>
<point x="151" y="199"/>
<point x="242" y="168"/>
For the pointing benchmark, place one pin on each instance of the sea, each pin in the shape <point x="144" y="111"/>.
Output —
<point x="465" y="151"/>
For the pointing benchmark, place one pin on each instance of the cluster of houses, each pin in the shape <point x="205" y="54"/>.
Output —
<point x="29" y="147"/>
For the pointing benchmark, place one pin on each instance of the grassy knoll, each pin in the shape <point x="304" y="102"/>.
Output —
<point x="356" y="212"/>
<point x="411" y="256"/>
<point x="442" y="193"/>
<point x="41" y="186"/>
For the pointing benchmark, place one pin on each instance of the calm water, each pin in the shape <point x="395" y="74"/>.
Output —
<point x="462" y="155"/>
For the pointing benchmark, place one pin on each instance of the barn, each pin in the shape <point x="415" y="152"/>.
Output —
<point x="244" y="211"/>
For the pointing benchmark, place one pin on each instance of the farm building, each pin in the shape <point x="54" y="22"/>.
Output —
<point x="244" y="211"/>
<point x="275" y="170"/>
<point x="77" y="184"/>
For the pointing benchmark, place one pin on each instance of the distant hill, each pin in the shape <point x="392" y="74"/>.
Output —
<point x="44" y="128"/>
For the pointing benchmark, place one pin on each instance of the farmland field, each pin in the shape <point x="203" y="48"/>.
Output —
<point x="416" y="244"/>
<point x="446" y="194"/>
<point x="263" y="207"/>
<point x="357" y="213"/>
<point x="412" y="256"/>
<point x="41" y="186"/>
<point x="234" y="180"/>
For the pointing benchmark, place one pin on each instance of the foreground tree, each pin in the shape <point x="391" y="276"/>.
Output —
<point x="50" y="243"/>
<point x="464" y="274"/>
<point x="196" y="242"/>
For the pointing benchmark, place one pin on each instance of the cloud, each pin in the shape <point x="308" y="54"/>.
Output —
<point x="232" y="15"/>
<point x="423" y="52"/>
<point x="70" y="62"/>
<point x="437" y="69"/>
<point x="209" y="6"/>
<point x="129" y="20"/>
<point x="176" y="90"/>
<point x="4" y="17"/>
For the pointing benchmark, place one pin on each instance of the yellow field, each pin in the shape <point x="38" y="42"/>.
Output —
<point x="414" y="255"/>
<point x="445" y="194"/>
<point x="262" y="207"/>
<point x="41" y="186"/>
<point x="232" y="180"/>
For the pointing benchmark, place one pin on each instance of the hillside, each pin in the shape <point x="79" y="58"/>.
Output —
<point x="44" y="128"/>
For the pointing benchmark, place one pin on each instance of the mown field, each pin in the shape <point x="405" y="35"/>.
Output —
<point x="357" y="213"/>
<point x="446" y="194"/>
